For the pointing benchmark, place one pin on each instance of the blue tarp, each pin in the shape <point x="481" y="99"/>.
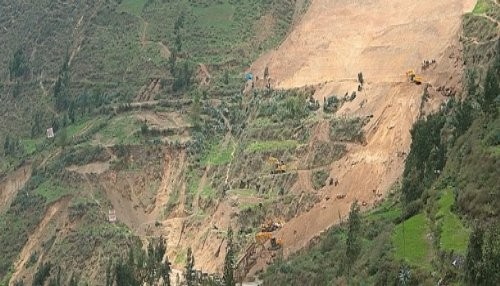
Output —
<point x="249" y="76"/>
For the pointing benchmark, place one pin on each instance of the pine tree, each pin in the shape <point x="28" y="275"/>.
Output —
<point x="228" y="277"/>
<point x="353" y="244"/>
<point x="490" y="270"/>
<point x="474" y="256"/>
<point x="189" y="274"/>
<point x="491" y="92"/>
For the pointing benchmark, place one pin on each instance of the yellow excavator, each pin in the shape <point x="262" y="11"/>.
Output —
<point x="278" y="166"/>
<point x="414" y="77"/>
<point x="263" y="237"/>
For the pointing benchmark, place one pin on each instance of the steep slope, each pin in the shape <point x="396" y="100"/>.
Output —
<point x="382" y="39"/>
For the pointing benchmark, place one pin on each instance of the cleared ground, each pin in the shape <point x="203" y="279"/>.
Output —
<point x="382" y="39"/>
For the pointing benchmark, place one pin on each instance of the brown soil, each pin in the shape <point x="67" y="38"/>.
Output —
<point x="11" y="184"/>
<point x="336" y="40"/>
<point x="36" y="238"/>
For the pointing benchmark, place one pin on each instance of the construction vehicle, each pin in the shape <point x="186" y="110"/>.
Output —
<point x="412" y="77"/>
<point x="278" y="166"/>
<point x="262" y="237"/>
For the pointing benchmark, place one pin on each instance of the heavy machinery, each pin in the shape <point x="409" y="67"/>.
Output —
<point x="414" y="77"/>
<point x="278" y="166"/>
<point x="262" y="237"/>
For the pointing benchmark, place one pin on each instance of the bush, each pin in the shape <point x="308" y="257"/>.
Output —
<point x="319" y="179"/>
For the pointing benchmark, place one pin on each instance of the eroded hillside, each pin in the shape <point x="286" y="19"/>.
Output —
<point x="188" y="163"/>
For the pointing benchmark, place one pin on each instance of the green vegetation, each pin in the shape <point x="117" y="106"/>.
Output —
<point x="319" y="179"/>
<point x="219" y="154"/>
<point x="52" y="191"/>
<point x="482" y="6"/>
<point x="348" y="129"/>
<point x="120" y="131"/>
<point x="133" y="7"/>
<point x="411" y="241"/>
<point x="208" y="193"/>
<point x="454" y="236"/>
<point x="268" y="146"/>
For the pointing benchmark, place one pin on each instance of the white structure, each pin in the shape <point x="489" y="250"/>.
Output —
<point x="112" y="216"/>
<point x="50" y="133"/>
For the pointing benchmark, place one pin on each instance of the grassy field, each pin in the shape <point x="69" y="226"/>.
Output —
<point x="219" y="154"/>
<point x="52" y="191"/>
<point x="120" y="130"/>
<point x="386" y="211"/>
<point x="411" y="242"/>
<point x="272" y="145"/>
<point x="208" y="193"/>
<point x="454" y="236"/>
<point x="482" y="6"/>
<point x="133" y="7"/>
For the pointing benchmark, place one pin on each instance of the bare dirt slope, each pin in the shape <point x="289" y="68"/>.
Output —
<point x="10" y="185"/>
<point x="382" y="39"/>
<point x="36" y="238"/>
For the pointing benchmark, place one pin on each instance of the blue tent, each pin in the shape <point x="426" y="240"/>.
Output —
<point x="249" y="76"/>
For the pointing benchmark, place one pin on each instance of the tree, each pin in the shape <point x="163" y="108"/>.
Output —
<point x="266" y="72"/>
<point x="474" y="256"/>
<point x="62" y="138"/>
<point x="353" y="243"/>
<point x="490" y="268"/>
<point x="360" y="78"/>
<point x="6" y="145"/>
<point x="189" y="274"/>
<point x="19" y="64"/>
<point x="228" y="276"/>
<point x="42" y="274"/>
<point x="226" y="77"/>
<point x="491" y="92"/>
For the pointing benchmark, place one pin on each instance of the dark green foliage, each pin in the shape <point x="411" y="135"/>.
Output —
<point x="228" y="276"/>
<point x="183" y="77"/>
<point x="19" y="65"/>
<point x="36" y="124"/>
<point x="491" y="92"/>
<point x="12" y="146"/>
<point x="426" y="157"/>
<point x="474" y="256"/>
<point x="331" y="104"/>
<point x="464" y="115"/>
<point x="319" y="179"/>
<point x="61" y="87"/>
<point x="144" y="267"/>
<point x="42" y="273"/>
<point x="189" y="271"/>
<point x="325" y="262"/>
<point x="353" y="243"/>
<point x="482" y="265"/>
<point x="360" y="78"/>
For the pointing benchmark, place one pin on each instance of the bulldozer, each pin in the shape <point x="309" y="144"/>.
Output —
<point x="412" y="77"/>
<point x="278" y="166"/>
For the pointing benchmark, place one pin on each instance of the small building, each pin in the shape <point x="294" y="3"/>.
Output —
<point x="50" y="133"/>
<point x="112" y="216"/>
